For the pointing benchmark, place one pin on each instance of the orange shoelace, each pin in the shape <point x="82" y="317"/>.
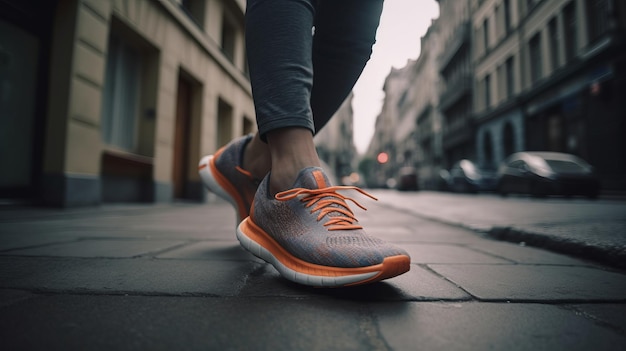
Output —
<point x="324" y="199"/>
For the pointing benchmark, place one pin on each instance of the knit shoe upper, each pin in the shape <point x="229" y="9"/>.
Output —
<point x="310" y="234"/>
<point x="222" y="174"/>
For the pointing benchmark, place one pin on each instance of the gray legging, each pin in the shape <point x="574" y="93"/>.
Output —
<point x="299" y="79"/>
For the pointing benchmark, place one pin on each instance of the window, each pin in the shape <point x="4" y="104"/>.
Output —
<point x="225" y="122"/>
<point x="510" y="77"/>
<point x="534" y="48"/>
<point x="228" y="38"/>
<point x="486" y="34"/>
<point x="487" y="91"/>
<point x="553" y="32"/>
<point x="477" y="34"/>
<point x="508" y="139"/>
<point x="500" y="84"/>
<point x="530" y="4"/>
<point x="499" y="23"/>
<point x="19" y="60"/>
<point x="598" y="13"/>
<point x="195" y="10"/>
<point x="121" y="95"/>
<point x="569" y="19"/>
<point x="506" y="7"/>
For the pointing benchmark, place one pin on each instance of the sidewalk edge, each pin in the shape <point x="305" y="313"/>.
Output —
<point x="611" y="257"/>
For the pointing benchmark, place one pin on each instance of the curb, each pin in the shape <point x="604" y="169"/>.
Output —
<point x="610" y="256"/>
<point x="614" y="257"/>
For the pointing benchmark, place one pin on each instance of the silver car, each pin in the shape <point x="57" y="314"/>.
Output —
<point x="547" y="173"/>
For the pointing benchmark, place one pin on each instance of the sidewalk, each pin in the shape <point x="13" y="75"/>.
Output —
<point x="173" y="277"/>
<point x="593" y="230"/>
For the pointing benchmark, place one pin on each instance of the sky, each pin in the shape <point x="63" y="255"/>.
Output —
<point x="402" y="25"/>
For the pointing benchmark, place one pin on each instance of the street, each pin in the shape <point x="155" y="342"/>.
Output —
<point x="173" y="276"/>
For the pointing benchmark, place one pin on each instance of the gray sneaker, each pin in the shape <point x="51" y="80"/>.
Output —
<point x="310" y="235"/>
<point x="223" y="175"/>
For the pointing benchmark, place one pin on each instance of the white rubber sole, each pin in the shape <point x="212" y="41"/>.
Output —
<point x="298" y="277"/>
<point x="213" y="185"/>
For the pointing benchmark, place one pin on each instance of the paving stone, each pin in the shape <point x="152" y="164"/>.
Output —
<point x="173" y="221"/>
<point x="525" y="254"/>
<point x="99" y="248"/>
<point x="436" y="253"/>
<point x="417" y="284"/>
<point x="490" y="326"/>
<point x="9" y="297"/>
<point x="135" y="276"/>
<point x="204" y="292"/>
<point x="211" y="250"/>
<point x="14" y="241"/>
<point x="215" y="229"/>
<point x="611" y="315"/>
<point x="536" y="282"/>
<point x="75" y="322"/>
<point x="421" y="284"/>
<point x="267" y="282"/>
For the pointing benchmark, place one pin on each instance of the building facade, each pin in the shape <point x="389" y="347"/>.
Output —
<point x="385" y="140"/>
<point x="419" y="132"/>
<point x="517" y="75"/>
<point x="455" y="69"/>
<point x="549" y="78"/>
<point x="497" y="61"/>
<point x="123" y="96"/>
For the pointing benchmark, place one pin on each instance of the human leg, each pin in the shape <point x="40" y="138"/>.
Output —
<point x="286" y="62"/>
<point x="279" y="45"/>
<point x="345" y="32"/>
<point x="321" y="70"/>
<point x="299" y="222"/>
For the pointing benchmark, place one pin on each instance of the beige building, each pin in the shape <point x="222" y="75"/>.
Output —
<point x="122" y="97"/>
<point x="497" y="60"/>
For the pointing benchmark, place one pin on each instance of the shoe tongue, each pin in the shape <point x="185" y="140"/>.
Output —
<point x="312" y="178"/>
<point x="315" y="178"/>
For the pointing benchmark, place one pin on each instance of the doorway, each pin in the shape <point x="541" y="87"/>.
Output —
<point x="25" y="33"/>
<point x="181" y="138"/>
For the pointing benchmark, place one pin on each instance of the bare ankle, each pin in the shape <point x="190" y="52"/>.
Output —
<point x="291" y="150"/>
<point x="256" y="158"/>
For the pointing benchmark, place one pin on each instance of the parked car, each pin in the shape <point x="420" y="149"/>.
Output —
<point x="407" y="179"/>
<point x="466" y="177"/>
<point x="442" y="181"/>
<point x="547" y="173"/>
